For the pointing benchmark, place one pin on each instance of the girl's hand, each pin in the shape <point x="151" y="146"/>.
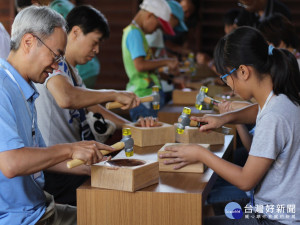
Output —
<point x="182" y="155"/>
<point x="210" y="121"/>
<point x="225" y="106"/>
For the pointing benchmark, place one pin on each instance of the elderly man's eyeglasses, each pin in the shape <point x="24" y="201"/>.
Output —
<point x="224" y="77"/>
<point x="57" y="58"/>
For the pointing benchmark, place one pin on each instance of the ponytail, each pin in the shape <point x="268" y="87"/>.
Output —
<point x="247" y="46"/>
<point x="285" y="74"/>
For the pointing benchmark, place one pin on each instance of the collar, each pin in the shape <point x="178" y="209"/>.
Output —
<point x="134" y="23"/>
<point x="28" y="90"/>
<point x="260" y="110"/>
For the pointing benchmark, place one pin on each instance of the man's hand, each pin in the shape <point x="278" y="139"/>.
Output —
<point x="128" y="99"/>
<point x="88" y="151"/>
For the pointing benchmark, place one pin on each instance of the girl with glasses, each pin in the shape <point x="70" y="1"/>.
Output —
<point x="271" y="76"/>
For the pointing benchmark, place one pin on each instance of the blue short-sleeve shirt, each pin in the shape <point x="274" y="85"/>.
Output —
<point x="22" y="200"/>
<point x="135" y="44"/>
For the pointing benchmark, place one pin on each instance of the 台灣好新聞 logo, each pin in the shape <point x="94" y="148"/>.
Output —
<point x="233" y="210"/>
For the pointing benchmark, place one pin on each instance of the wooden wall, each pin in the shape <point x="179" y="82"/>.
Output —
<point x="7" y="13"/>
<point x="120" y="13"/>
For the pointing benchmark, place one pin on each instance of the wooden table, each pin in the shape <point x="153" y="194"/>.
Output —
<point x="177" y="199"/>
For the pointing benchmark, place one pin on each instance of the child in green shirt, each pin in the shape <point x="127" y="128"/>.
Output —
<point x="137" y="56"/>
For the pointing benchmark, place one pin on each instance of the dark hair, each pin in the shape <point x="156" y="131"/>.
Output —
<point x="230" y="16"/>
<point x="22" y="3"/>
<point x="247" y="46"/>
<point x="88" y="19"/>
<point x="277" y="28"/>
<point x="194" y="18"/>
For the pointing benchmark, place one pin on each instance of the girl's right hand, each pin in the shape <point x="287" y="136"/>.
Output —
<point x="210" y="121"/>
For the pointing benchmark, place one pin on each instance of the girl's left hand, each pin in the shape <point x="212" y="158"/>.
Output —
<point x="182" y="155"/>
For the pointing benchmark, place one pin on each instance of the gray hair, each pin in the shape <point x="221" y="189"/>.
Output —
<point x="38" y="20"/>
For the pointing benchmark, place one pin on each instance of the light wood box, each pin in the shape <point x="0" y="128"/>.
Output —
<point x="194" y="85"/>
<point x="149" y="136"/>
<point x="203" y="71"/>
<point x="193" y="135"/>
<point x="186" y="98"/>
<point x="214" y="90"/>
<point x="124" y="178"/>
<point x="192" y="168"/>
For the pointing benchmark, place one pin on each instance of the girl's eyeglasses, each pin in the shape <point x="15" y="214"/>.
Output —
<point x="224" y="77"/>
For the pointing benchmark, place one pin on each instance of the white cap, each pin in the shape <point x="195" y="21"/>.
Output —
<point x="162" y="10"/>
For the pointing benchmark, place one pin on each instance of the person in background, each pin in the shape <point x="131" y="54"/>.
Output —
<point x="178" y="44"/>
<point x="255" y="11"/>
<point x="88" y="72"/>
<point x="4" y="42"/>
<point x="64" y="98"/>
<point x="229" y="21"/>
<point x="281" y="33"/>
<point x="21" y="4"/>
<point x="63" y="7"/>
<point x="137" y="56"/>
<point x="38" y="42"/>
<point x="156" y="43"/>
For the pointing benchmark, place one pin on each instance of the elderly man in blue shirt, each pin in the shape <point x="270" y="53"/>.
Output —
<point x="38" y="45"/>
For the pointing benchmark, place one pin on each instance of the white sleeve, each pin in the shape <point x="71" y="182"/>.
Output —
<point x="62" y="70"/>
<point x="4" y="42"/>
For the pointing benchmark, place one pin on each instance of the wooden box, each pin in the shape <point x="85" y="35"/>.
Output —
<point x="203" y="72"/>
<point x="214" y="90"/>
<point x="192" y="168"/>
<point x="124" y="174"/>
<point x="184" y="97"/>
<point x="149" y="136"/>
<point x="193" y="135"/>
<point x="194" y="85"/>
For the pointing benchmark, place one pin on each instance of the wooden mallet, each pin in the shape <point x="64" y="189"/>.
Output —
<point x="126" y="143"/>
<point x="184" y="120"/>
<point x="77" y="162"/>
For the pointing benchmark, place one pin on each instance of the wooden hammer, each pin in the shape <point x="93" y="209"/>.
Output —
<point x="184" y="120"/>
<point x="126" y="143"/>
<point x="154" y="98"/>
<point x="77" y="162"/>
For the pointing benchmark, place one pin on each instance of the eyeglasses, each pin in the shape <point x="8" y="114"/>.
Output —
<point x="57" y="58"/>
<point x="224" y="77"/>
